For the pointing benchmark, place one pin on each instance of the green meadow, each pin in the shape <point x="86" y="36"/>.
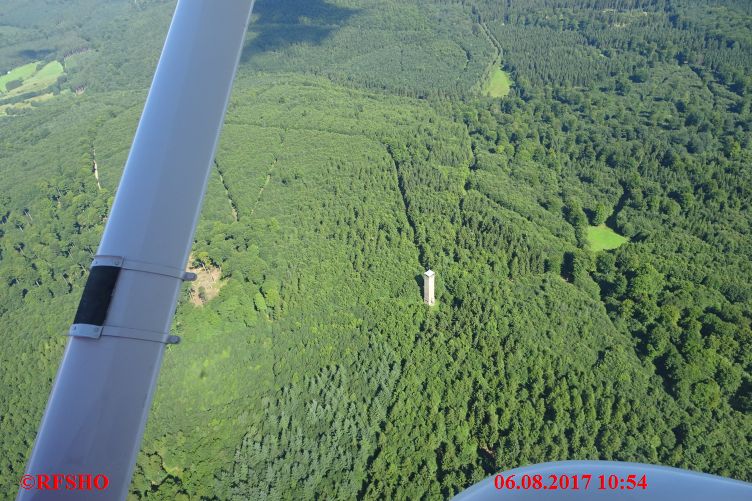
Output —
<point x="604" y="238"/>
<point x="499" y="84"/>
<point x="34" y="78"/>
<point x="19" y="73"/>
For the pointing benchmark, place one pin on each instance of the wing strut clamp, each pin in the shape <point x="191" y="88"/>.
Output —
<point x="95" y="300"/>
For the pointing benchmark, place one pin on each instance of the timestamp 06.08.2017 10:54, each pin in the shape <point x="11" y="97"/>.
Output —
<point x="571" y="482"/>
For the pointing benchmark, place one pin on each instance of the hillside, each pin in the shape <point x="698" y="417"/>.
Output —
<point x="575" y="171"/>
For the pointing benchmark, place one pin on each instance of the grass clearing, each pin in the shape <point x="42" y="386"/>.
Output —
<point x="499" y="84"/>
<point x="604" y="238"/>
<point x="34" y="78"/>
<point x="20" y="73"/>
<point x="39" y="80"/>
<point x="50" y="70"/>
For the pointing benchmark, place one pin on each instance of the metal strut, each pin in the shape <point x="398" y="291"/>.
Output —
<point x="99" y="403"/>
<point x="95" y="302"/>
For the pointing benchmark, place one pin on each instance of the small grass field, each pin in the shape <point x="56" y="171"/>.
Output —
<point x="499" y="84"/>
<point x="33" y="78"/>
<point x="38" y="80"/>
<point x="20" y="73"/>
<point x="604" y="238"/>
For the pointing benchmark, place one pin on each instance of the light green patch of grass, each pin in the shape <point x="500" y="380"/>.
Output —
<point x="604" y="238"/>
<point x="499" y="84"/>
<point x="40" y="80"/>
<point x="50" y="70"/>
<point x="20" y="73"/>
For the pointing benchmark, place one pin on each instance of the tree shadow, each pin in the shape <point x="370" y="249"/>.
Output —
<point x="419" y="280"/>
<point x="281" y="23"/>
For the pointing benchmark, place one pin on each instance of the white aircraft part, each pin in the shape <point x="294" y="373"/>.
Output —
<point x="97" y="410"/>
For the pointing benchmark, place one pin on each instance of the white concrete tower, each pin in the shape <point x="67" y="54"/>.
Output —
<point x="428" y="288"/>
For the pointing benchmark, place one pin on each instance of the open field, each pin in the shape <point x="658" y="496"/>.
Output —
<point x="33" y="78"/>
<point x="499" y="84"/>
<point x="19" y="73"/>
<point x="37" y="80"/>
<point x="604" y="238"/>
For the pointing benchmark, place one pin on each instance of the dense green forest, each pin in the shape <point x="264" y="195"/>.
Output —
<point x="361" y="147"/>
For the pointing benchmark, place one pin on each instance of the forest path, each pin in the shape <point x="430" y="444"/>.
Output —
<point x="623" y="199"/>
<point x="266" y="183"/>
<point x="95" y="167"/>
<point x="272" y="167"/>
<point x="406" y="205"/>
<point x="496" y="63"/>
<point x="388" y="415"/>
<point x="233" y="205"/>
<point x="492" y="39"/>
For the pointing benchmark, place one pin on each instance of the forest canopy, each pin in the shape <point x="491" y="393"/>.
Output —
<point x="589" y="227"/>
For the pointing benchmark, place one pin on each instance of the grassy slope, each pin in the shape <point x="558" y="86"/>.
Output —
<point x="41" y="79"/>
<point x="604" y="238"/>
<point x="21" y="72"/>
<point x="33" y="80"/>
<point x="499" y="84"/>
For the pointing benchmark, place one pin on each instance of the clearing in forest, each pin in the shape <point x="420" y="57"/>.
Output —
<point x="32" y="77"/>
<point x="604" y="238"/>
<point x="206" y="286"/>
<point x="498" y="84"/>
<point x="19" y="73"/>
